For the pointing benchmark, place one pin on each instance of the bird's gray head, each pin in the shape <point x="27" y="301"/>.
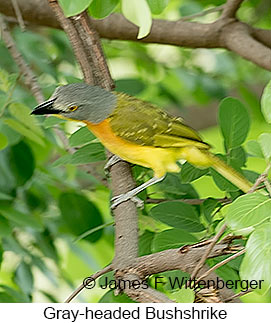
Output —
<point x="79" y="101"/>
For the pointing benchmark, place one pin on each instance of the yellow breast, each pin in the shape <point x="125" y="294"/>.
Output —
<point x="161" y="160"/>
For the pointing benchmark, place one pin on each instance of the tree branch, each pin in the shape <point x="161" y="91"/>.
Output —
<point x="208" y="251"/>
<point x="203" y="13"/>
<point x="77" y="45"/>
<point x="230" y="8"/>
<point x="221" y="263"/>
<point x="185" y="259"/>
<point x="187" y="201"/>
<point x="78" y="290"/>
<point x="256" y="44"/>
<point x="237" y="37"/>
<point x="29" y="77"/>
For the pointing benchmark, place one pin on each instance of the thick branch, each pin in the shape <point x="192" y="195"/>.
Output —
<point x="179" y="33"/>
<point x="182" y="259"/>
<point x="237" y="38"/>
<point x="262" y="35"/>
<point x="76" y="42"/>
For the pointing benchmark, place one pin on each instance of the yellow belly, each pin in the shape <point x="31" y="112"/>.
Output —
<point x="161" y="160"/>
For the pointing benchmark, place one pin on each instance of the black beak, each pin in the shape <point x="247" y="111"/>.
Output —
<point x="45" y="108"/>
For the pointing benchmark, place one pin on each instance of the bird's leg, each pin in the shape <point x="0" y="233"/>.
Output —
<point x="111" y="161"/>
<point x="118" y="199"/>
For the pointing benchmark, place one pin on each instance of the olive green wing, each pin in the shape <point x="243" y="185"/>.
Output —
<point x="145" y="124"/>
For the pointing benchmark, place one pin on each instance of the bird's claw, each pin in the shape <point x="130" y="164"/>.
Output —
<point x="111" y="161"/>
<point x="118" y="199"/>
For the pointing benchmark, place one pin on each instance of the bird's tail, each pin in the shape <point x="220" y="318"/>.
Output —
<point x="229" y="173"/>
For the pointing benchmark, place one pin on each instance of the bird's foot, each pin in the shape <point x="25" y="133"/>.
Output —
<point x="111" y="161"/>
<point x="118" y="199"/>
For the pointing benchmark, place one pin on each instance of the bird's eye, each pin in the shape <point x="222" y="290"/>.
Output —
<point x="73" y="108"/>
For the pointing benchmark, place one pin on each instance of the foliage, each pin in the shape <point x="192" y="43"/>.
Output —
<point x="47" y="200"/>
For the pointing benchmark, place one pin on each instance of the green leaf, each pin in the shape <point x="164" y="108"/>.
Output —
<point x="6" y="80"/>
<point x="254" y="148"/>
<point x="100" y="8"/>
<point x="6" y="298"/>
<point x="184" y="295"/>
<point x="257" y="260"/>
<point x="130" y="86"/>
<point x="172" y="238"/>
<point x="3" y="141"/>
<point x="190" y="8"/>
<point x="72" y="7"/>
<point x="4" y="196"/>
<point x="177" y="215"/>
<point x="7" y="179"/>
<point x="88" y="154"/>
<point x="222" y="182"/>
<point x="17" y="126"/>
<point x="234" y="122"/>
<point x="98" y="228"/>
<point x="265" y="143"/>
<point x="189" y="173"/>
<point x="138" y="12"/>
<point x="14" y="295"/>
<point x="62" y="160"/>
<point x="45" y="243"/>
<point x="81" y="136"/>
<point x="13" y="136"/>
<point x="1" y="255"/>
<point x="145" y="242"/>
<point x="172" y="188"/>
<point x="52" y="121"/>
<point x="11" y="244"/>
<point x="5" y="228"/>
<point x="20" y="219"/>
<point x="266" y="102"/>
<point x="80" y="215"/>
<point x="22" y="113"/>
<point x="248" y="210"/>
<point x="3" y="101"/>
<point x="250" y="175"/>
<point x="157" y="6"/>
<point x="24" y="278"/>
<point x="110" y="297"/>
<point x="22" y="162"/>
<point x="238" y="157"/>
<point x="209" y="205"/>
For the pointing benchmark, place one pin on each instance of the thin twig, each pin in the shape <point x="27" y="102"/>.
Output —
<point x="187" y="201"/>
<point x="203" y="13"/>
<point x="30" y="78"/>
<point x="266" y="182"/>
<point x="207" y="252"/>
<point x="229" y="299"/>
<point x="230" y="8"/>
<point x="268" y="187"/>
<point x="18" y="14"/>
<point x="82" y="286"/>
<point x="221" y="263"/>
<point x="260" y="179"/>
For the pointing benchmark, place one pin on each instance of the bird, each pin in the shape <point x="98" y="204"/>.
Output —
<point x="136" y="131"/>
